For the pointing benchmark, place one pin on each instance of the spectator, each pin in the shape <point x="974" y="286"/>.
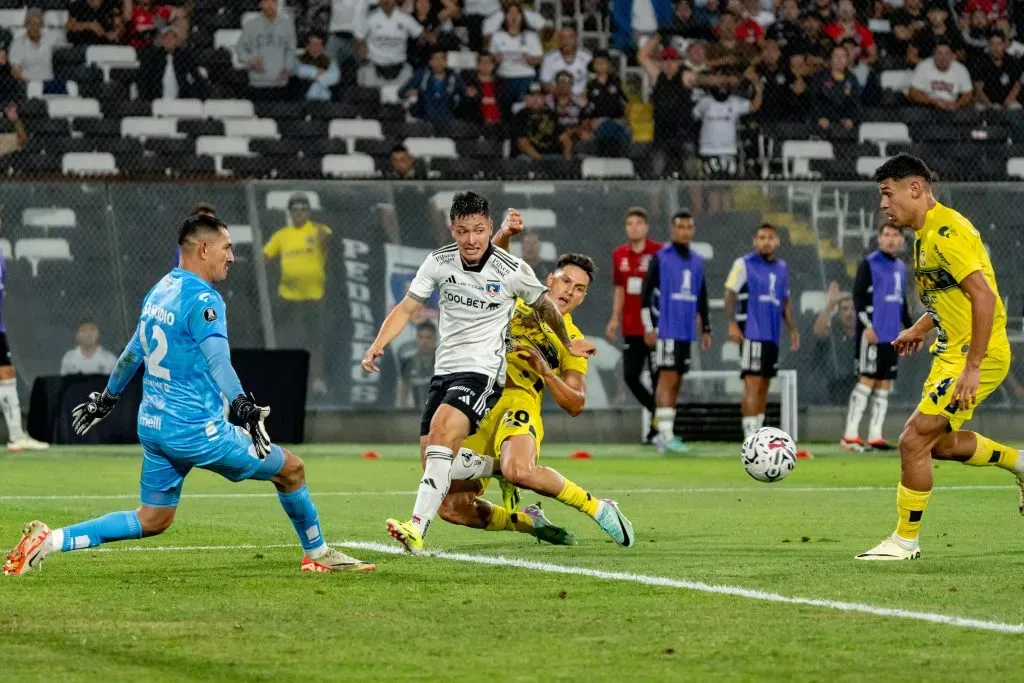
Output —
<point x="536" y="131"/>
<point x="95" y="22"/>
<point x="518" y="52"/>
<point x="997" y="76"/>
<point x="788" y="32"/>
<point x="567" y="106"/>
<point x="302" y="248"/>
<point x="941" y="82"/>
<point x="532" y="255"/>
<point x="907" y="23"/>
<point x="88" y="357"/>
<point x="416" y="367"/>
<point x="438" y="30"/>
<point x="532" y="20"/>
<point x="748" y="30"/>
<point x="316" y="73"/>
<point x="939" y="28"/>
<point x="474" y="14"/>
<point x="824" y="10"/>
<point x="847" y="26"/>
<point x="686" y="26"/>
<point x="384" y="41"/>
<point x="31" y="53"/>
<point x="835" y="94"/>
<point x="347" y="17"/>
<point x="976" y="35"/>
<point x="267" y="48"/>
<point x="436" y="92"/>
<point x="404" y="166"/>
<point x="994" y="10"/>
<point x="635" y="21"/>
<point x="786" y="94"/>
<point x="672" y="101"/>
<point x="16" y="141"/>
<point x="568" y="57"/>
<point x="819" y="45"/>
<point x="835" y="343"/>
<point x="147" y="22"/>
<point x="169" y="71"/>
<point x="606" y="107"/>
<point x="730" y="55"/>
<point x="485" y="93"/>
<point x="719" y="113"/>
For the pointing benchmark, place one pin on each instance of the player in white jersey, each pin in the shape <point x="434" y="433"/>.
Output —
<point x="479" y="284"/>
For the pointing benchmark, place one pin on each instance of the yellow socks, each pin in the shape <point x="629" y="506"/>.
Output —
<point x="988" y="452"/>
<point x="910" y="506"/>
<point x="502" y="520"/>
<point x="575" y="497"/>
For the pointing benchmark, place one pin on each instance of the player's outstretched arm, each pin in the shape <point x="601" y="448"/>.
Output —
<point x="218" y="358"/>
<point x="510" y="227"/>
<point x="86" y="415"/>
<point x="392" y="326"/>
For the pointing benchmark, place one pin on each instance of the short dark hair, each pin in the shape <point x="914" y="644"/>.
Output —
<point x="766" y="226"/>
<point x="87" y="321"/>
<point x="197" y="224"/>
<point x="205" y="207"/>
<point x="884" y="225"/>
<point x="399" y="148"/>
<point x="681" y="214"/>
<point x="485" y="53"/>
<point x="903" y="166"/>
<point x="637" y="211"/>
<point x="581" y="261"/>
<point x="465" y="204"/>
<point x="317" y="34"/>
<point x="426" y="325"/>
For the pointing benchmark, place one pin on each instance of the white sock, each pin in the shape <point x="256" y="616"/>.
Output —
<point x="879" y="406"/>
<point x="11" y="408"/>
<point x="437" y="478"/>
<point x="749" y="425"/>
<point x="760" y="420"/>
<point x="858" y="403"/>
<point x="666" y="422"/>
<point x="1018" y="469"/>
<point x="317" y="553"/>
<point x="56" y="540"/>
<point x="471" y="465"/>
<point x="905" y="543"/>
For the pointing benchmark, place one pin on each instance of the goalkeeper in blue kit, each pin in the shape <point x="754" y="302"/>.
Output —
<point x="182" y="344"/>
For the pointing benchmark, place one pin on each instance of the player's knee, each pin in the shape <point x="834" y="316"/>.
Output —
<point x="293" y="472"/>
<point x="443" y="433"/>
<point x="518" y="471"/>
<point x="155" y="521"/>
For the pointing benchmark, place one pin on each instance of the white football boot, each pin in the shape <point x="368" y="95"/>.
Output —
<point x="26" y="443"/>
<point x="889" y="549"/>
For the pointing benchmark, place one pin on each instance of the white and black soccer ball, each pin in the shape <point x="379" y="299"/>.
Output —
<point x="769" y="454"/>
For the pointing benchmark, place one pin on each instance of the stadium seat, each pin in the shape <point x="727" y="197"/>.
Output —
<point x="457" y="169"/>
<point x="1015" y="167"/>
<point x="730" y="354"/>
<point x="219" y="147"/>
<point x="348" y="166"/>
<point x="599" y="167"/>
<point x="147" y="127"/>
<point x="47" y="218"/>
<point x="813" y="301"/>
<point x="227" y="38"/>
<point x="429" y="148"/>
<point x="882" y="133"/>
<point x="898" y="80"/>
<point x="229" y="109"/>
<point x="240" y="235"/>
<point x="34" y="90"/>
<point x="5" y="247"/>
<point x="705" y="249"/>
<point x="178" y="109"/>
<point x="538" y="219"/>
<point x="796" y="155"/>
<point x="108" y="57"/>
<point x="55" y="18"/>
<point x="355" y="129"/>
<point x="35" y="250"/>
<point x="88" y="163"/>
<point x="72" y="107"/>
<point x="277" y="200"/>
<point x="251" y="128"/>
<point x="461" y="61"/>
<point x="866" y="166"/>
<point x="12" y="18"/>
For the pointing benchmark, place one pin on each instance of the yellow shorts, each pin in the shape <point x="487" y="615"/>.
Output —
<point x="516" y="413"/>
<point x="942" y="379"/>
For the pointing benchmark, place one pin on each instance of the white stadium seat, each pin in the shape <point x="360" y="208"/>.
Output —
<point x="145" y="127"/>
<point x="55" y="18"/>
<point x="538" y="219"/>
<point x="108" y="57"/>
<point x="46" y="218"/>
<point x="73" y="108"/>
<point x="229" y="109"/>
<point x="813" y="301"/>
<point x="5" y="247"/>
<point x="277" y="200"/>
<point x="796" y="155"/>
<point x="600" y="167"/>
<point x="431" y="148"/>
<point x="12" y="18"/>
<point x="88" y="163"/>
<point x="705" y="249"/>
<point x="461" y="61"/>
<point x="240" y="234"/>
<point x="896" y="80"/>
<point x="219" y="147"/>
<point x="731" y="353"/>
<point x="1015" y="167"/>
<point x="178" y="109"/>
<point x="35" y="250"/>
<point x="348" y="165"/>
<point x="355" y="129"/>
<point x="34" y="90"/>
<point x="227" y="38"/>
<point x="251" y="128"/>
<point x="882" y="133"/>
<point x="866" y="166"/>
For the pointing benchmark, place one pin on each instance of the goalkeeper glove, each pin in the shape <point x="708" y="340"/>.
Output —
<point x="251" y="416"/>
<point x="87" y="414"/>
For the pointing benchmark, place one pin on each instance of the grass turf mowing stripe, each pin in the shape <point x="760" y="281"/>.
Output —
<point x="696" y="490"/>
<point x="647" y="580"/>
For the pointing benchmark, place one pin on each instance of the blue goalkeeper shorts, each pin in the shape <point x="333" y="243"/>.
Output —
<point x="230" y="454"/>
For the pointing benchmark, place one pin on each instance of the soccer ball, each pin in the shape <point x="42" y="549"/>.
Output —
<point x="769" y="454"/>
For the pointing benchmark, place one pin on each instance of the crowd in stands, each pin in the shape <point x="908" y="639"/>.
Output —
<point x="709" y="69"/>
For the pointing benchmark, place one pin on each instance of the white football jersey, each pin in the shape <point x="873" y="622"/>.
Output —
<point x="477" y="304"/>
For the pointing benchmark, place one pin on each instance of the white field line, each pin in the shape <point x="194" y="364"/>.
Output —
<point x="644" y="579"/>
<point x="649" y="491"/>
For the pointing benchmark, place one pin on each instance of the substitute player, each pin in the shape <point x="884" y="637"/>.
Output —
<point x="880" y="300"/>
<point x="513" y="430"/>
<point x="971" y="353"/>
<point x="479" y="284"/>
<point x="182" y="342"/>
<point x="676" y="274"/>
<point x="756" y="305"/>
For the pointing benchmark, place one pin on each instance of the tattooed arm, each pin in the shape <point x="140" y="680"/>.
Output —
<point x="547" y="312"/>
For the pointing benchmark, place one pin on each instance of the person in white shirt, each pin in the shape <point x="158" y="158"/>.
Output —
<point x="88" y="357"/>
<point x="347" y="18"/>
<point x="568" y="57"/>
<point x="719" y="113"/>
<point x="518" y="52"/>
<point x="532" y="20"/>
<point x="384" y="39"/>
<point x="31" y="53"/>
<point x="941" y="82"/>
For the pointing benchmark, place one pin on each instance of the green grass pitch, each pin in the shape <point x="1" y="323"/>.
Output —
<point x="219" y="597"/>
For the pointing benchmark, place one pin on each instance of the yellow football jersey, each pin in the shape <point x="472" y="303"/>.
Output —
<point x="302" y="261"/>
<point x="527" y="330"/>
<point x="948" y="249"/>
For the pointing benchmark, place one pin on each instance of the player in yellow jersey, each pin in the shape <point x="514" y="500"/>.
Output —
<point x="512" y="432"/>
<point x="971" y="353"/>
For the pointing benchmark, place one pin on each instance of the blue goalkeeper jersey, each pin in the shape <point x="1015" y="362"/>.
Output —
<point x="180" y="400"/>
